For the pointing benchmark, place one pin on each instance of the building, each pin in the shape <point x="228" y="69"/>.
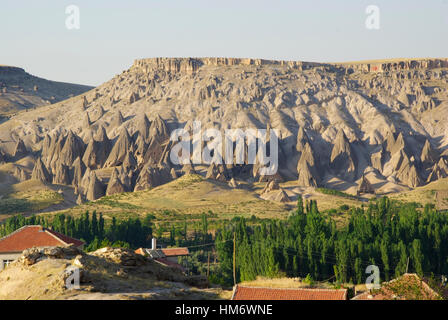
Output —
<point x="260" y="293"/>
<point x="12" y="245"/>
<point x="407" y="287"/>
<point x="165" y="256"/>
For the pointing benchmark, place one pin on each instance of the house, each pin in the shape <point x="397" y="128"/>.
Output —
<point x="12" y="245"/>
<point x="165" y="256"/>
<point x="260" y="293"/>
<point x="407" y="287"/>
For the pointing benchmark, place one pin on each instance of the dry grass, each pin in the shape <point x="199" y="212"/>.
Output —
<point x="425" y="194"/>
<point x="191" y="195"/>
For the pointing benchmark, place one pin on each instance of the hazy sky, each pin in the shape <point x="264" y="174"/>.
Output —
<point x="115" y="32"/>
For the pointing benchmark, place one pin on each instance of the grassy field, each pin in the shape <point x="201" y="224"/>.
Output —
<point x="189" y="196"/>
<point x="185" y="198"/>
<point x="27" y="197"/>
<point x="426" y="194"/>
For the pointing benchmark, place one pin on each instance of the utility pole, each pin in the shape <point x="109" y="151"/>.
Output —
<point x="208" y="264"/>
<point x="234" y="258"/>
<point x="407" y="266"/>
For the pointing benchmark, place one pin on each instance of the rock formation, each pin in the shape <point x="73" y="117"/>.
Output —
<point x="78" y="170"/>
<point x="20" y="150"/>
<point x="61" y="175"/>
<point x="308" y="174"/>
<point x="95" y="189"/>
<point x="342" y="158"/>
<point x="282" y="196"/>
<point x="40" y="172"/>
<point x="120" y="149"/>
<point x="332" y="123"/>
<point x="152" y="177"/>
<point x="115" y="185"/>
<point x="73" y="148"/>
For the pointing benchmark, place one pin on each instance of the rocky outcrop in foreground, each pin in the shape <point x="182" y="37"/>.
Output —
<point x="108" y="273"/>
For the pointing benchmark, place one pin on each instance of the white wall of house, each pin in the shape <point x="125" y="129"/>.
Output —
<point x="6" y="258"/>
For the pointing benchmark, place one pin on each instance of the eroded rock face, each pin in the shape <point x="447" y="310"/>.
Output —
<point x="152" y="177"/>
<point x="73" y="148"/>
<point x="20" y="173"/>
<point x="120" y="149"/>
<point x="95" y="189"/>
<point x="342" y="158"/>
<point x="115" y="185"/>
<point x="20" y="150"/>
<point x="331" y="122"/>
<point x="308" y="174"/>
<point x="282" y="196"/>
<point x="61" y="175"/>
<point x="40" y="172"/>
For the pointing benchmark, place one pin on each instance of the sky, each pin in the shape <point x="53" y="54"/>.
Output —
<point x="113" y="33"/>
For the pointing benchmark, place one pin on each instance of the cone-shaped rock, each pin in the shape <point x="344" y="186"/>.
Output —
<point x="406" y="171"/>
<point x="46" y="143"/>
<point x="308" y="175"/>
<point x="115" y="185"/>
<point x="117" y="120"/>
<point x="365" y="186"/>
<point x="73" y="148"/>
<point x="439" y="171"/>
<point x="40" y="172"/>
<point x="120" y="149"/>
<point x="159" y="129"/>
<point x="85" y="181"/>
<point x="78" y="170"/>
<point x="94" y="157"/>
<point x="79" y="200"/>
<point x="55" y="152"/>
<point x="152" y="177"/>
<point x="20" y="150"/>
<point x="282" y="196"/>
<point x="101" y="136"/>
<point x="341" y="160"/>
<point x="232" y="183"/>
<point x="95" y="189"/>
<point x="143" y="126"/>
<point x="270" y="186"/>
<point x="129" y="161"/>
<point x="61" y="175"/>
<point x="20" y="173"/>
<point x="429" y="156"/>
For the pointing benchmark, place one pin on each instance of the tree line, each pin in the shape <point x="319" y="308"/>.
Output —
<point x="128" y="233"/>
<point x="91" y="228"/>
<point x="395" y="237"/>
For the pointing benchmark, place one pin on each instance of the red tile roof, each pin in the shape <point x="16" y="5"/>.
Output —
<point x="34" y="236"/>
<point x="174" y="252"/>
<point x="258" y="293"/>
<point x="165" y="252"/>
<point x="407" y="287"/>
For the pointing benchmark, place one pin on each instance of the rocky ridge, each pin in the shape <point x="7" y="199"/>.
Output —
<point x="334" y="122"/>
